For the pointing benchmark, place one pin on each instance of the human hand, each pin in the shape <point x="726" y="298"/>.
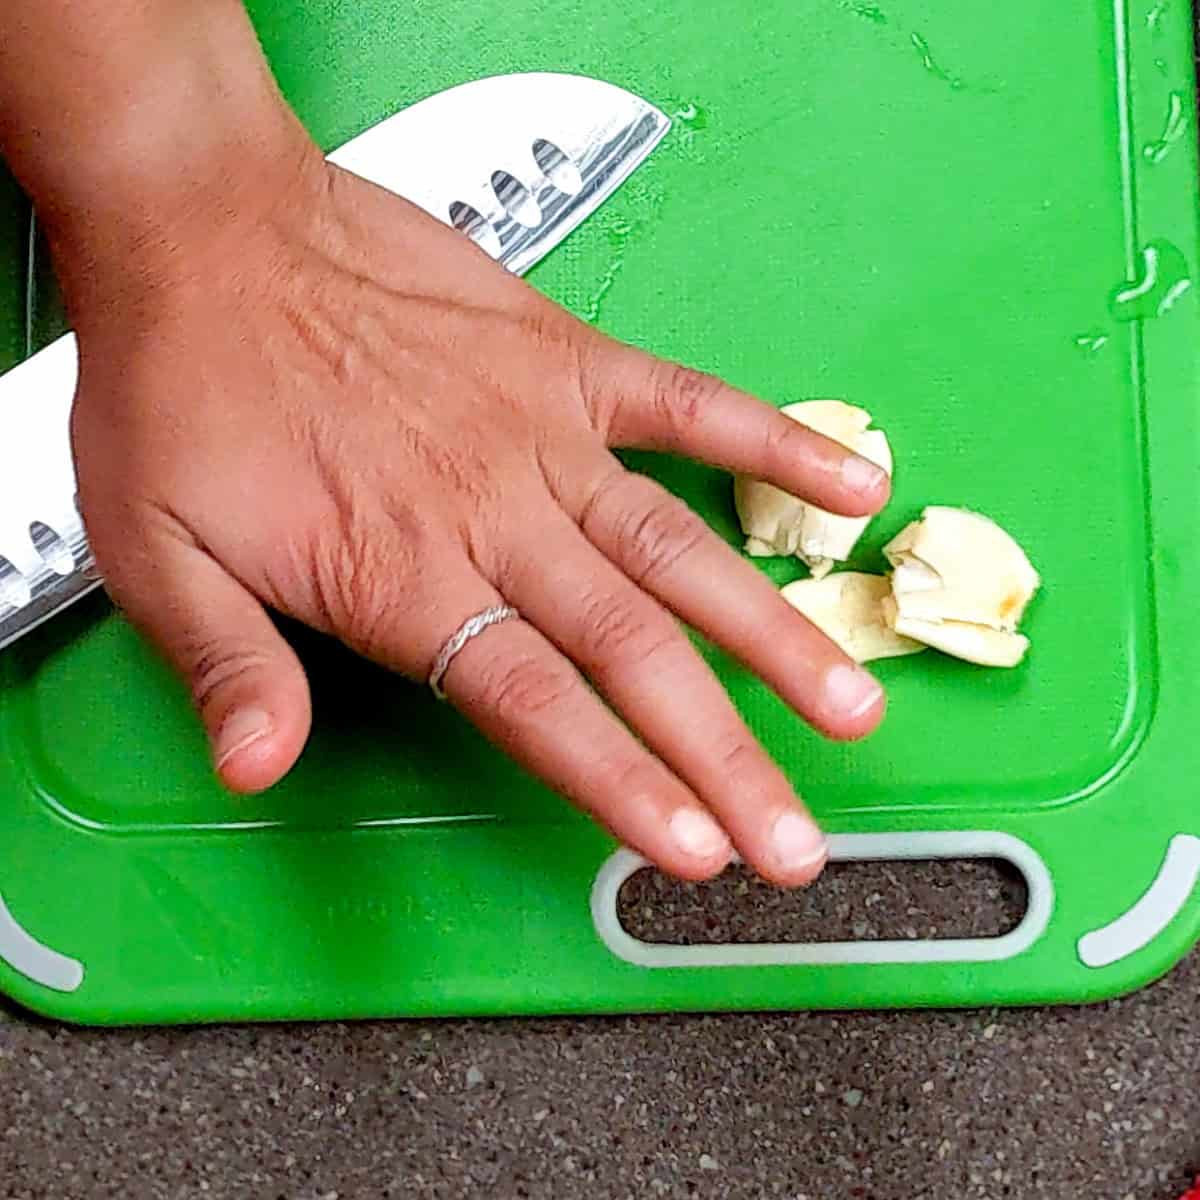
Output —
<point x="313" y="398"/>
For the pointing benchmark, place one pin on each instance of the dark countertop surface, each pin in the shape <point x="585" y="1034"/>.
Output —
<point x="1087" y="1104"/>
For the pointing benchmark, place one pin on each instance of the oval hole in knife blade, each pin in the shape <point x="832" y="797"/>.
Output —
<point x="562" y="173"/>
<point x="52" y="550"/>
<point x="516" y="199"/>
<point x="476" y="226"/>
<point x="14" y="587"/>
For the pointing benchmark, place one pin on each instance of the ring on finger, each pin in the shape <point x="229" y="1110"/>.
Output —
<point x="470" y="628"/>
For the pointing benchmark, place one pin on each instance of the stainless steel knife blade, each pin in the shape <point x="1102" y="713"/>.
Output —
<point x="515" y="162"/>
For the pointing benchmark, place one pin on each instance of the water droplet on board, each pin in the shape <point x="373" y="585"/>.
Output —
<point x="617" y="232"/>
<point x="690" y="119"/>
<point x="1175" y="128"/>
<point x="1161" y="66"/>
<point x="596" y="303"/>
<point x="1165" y="278"/>
<point x="638" y="208"/>
<point x="869" y="12"/>
<point x="1154" y="18"/>
<point x="618" y="229"/>
<point x="932" y="66"/>
<point x="692" y="115"/>
<point x="1092" y="342"/>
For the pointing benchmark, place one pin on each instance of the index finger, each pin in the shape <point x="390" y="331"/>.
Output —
<point x="640" y="401"/>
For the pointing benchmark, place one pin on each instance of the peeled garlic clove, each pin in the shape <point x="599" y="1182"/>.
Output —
<point x="778" y="524"/>
<point x="960" y="584"/>
<point x="958" y="566"/>
<point x="759" y="549"/>
<point x="847" y="608"/>
<point x="972" y="643"/>
<point x="770" y="518"/>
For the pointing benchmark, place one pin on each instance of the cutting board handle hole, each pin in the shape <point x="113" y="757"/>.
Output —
<point x="929" y="900"/>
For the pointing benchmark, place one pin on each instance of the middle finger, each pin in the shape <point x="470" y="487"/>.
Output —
<point x="641" y="661"/>
<point x="671" y="553"/>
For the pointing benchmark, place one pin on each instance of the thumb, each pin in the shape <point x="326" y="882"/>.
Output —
<point x="245" y="680"/>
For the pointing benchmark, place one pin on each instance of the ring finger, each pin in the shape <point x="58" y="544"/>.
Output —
<point x="532" y="703"/>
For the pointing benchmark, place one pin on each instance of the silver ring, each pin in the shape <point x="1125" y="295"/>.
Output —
<point x="469" y="629"/>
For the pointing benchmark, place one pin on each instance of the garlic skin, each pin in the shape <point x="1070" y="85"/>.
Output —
<point x="960" y="584"/>
<point x="848" y="609"/>
<point x="777" y="524"/>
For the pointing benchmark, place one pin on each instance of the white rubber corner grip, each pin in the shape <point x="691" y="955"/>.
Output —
<point x="1153" y="913"/>
<point x="856" y="847"/>
<point x="26" y="955"/>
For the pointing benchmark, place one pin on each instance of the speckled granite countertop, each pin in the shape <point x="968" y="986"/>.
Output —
<point x="1090" y="1104"/>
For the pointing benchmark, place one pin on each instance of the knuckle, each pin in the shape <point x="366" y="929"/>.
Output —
<point x="408" y="541"/>
<point x="628" y="778"/>
<point x="458" y="465"/>
<point x="545" y="330"/>
<point x="218" y="666"/>
<point x="682" y="395"/>
<point x="557" y="471"/>
<point x="652" y="541"/>
<point x="372" y="628"/>
<point x="605" y="497"/>
<point x="739" y="759"/>
<point x="322" y="337"/>
<point x="519" y="691"/>
<point x="783" y="438"/>
<point x="358" y="580"/>
<point x="619" y="630"/>
<point x="603" y="403"/>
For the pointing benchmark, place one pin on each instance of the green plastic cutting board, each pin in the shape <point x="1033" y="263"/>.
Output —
<point x="977" y="220"/>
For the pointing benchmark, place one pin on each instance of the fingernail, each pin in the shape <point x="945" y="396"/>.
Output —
<point x="861" y="475"/>
<point x="798" y="841"/>
<point x="698" y="835"/>
<point x="850" y="692"/>
<point x="239" y="731"/>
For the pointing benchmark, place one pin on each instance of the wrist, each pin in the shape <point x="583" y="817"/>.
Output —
<point x="162" y="145"/>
